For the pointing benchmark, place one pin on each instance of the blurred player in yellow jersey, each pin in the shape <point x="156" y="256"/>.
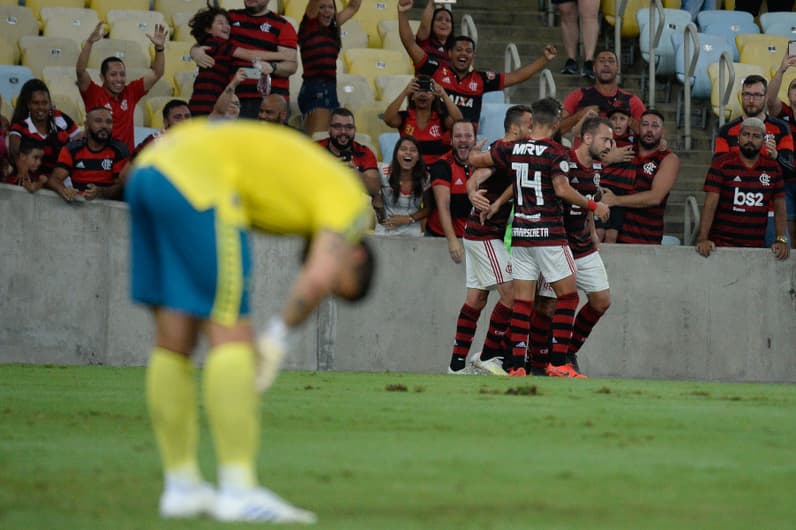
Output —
<point x="192" y="198"/>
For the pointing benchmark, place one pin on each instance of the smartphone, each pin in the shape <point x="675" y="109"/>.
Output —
<point x="792" y="47"/>
<point x="425" y="84"/>
<point x="252" y="73"/>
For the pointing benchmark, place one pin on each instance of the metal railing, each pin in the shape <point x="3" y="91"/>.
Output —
<point x="691" y="219"/>
<point x="511" y="61"/>
<point x="726" y="69"/>
<point x="468" y="27"/>
<point x="654" y="39"/>
<point x="546" y="83"/>
<point x="690" y="57"/>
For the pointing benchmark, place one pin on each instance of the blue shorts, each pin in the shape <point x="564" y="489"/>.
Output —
<point x="790" y="200"/>
<point x="183" y="259"/>
<point x="318" y="94"/>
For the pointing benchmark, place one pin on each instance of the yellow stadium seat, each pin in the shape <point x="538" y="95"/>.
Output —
<point x="169" y="8"/>
<point x="9" y="51"/>
<point x="130" y="52"/>
<point x="60" y="78"/>
<point x="392" y="41"/>
<point x="763" y="50"/>
<point x="153" y="106"/>
<point x="296" y="8"/>
<point x="787" y="79"/>
<point x="71" y="22"/>
<point x="354" y="91"/>
<point x="353" y="36"/>
<point x="369" y="119"/>
<point x="143" y="16"/>
<point x="388" y="87"/>
<point x="6" y="109"/>
<point x="742" y="71"/>
<point x="38" y="52"/>
<point x="178" y="58"/>
<point x="17" y="22"/>
<point x="184" y="83"/>
<point x="71" y="104"/>
<point x="102" y="7"/>
<point x="134" y="30"/>
<point x="390" y="25"/>
<point x="37" y="5"/>
<point x="182" y="31"/>
<point x="163" y="87"/>
<point x="371" y="13"/>
<point x="370" y="62"/>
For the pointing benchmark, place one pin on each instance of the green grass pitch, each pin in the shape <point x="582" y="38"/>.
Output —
<point x="403" y="452"/>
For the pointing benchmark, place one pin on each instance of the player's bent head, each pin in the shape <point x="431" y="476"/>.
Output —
<point x="356" y="285"/>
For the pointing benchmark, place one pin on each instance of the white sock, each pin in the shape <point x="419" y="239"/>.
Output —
<point x="235" y="477"/>
<point x="182" y="477"/>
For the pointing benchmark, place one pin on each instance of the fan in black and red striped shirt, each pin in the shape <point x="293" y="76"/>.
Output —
<point x="740" y="186"/>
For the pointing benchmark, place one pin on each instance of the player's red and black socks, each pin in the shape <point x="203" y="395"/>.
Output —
<point x="539" y="345"/>
<point x="498" y="326"/>
<point x="465" y="329"/>
<point x="563" y="320"/>
<point x="585" y="321"/>
<point x="519" y="328"/>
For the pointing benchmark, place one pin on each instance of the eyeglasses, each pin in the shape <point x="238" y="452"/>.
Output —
<point x="342" y="126"/>
<point x="751" y="95"/>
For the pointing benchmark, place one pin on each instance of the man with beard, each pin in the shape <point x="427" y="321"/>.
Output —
<point x="273" y="109"/>
<point x="656" y="173"/>
<point x="539" y="166"/>
<point x="116" y="94"/>
<point x="256" y="27"/>
<point x="465" y="86"/>
<point x="739" y="187"/>
<point x="590" y="275"/>
<point x="92" y="163"/>
<point x="778" y="143"/>
<point x="341" y="144"/>
<point x="487" y="261"/>
<point x="602" y="96"/>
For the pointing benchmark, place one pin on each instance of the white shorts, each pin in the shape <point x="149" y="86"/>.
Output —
<point x="554" y="262"/>
<point x="487" y="263"/>
<point x="590" y="277"/>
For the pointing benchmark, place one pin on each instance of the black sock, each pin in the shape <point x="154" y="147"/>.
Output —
<point x="457" y="362"/>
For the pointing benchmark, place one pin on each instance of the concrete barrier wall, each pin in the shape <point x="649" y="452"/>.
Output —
<point x="64" y="300"/>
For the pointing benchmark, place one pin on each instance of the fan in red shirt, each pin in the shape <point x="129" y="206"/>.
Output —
<point x="116" y="94"/>
<point x="436" y="31"/>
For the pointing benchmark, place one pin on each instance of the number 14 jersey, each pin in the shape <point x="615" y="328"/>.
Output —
<point x="538" y="212"/>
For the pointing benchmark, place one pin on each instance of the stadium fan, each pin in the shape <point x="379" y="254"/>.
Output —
<point x="436" y="31"/>
<point x="174" y="112"/>
<point x="341" y="144"/>
<point x="618" y="171"/>
<point x="24" y="167"/>
<point x="273" y="109"/>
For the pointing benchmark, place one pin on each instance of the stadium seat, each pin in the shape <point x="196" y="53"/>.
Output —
<point x="61" y="79"/>
<point x="169" y="8"/>
<point x="38" y="52"/>
<point x="70" y="104"/>
<point x="71" y="22"/>
<point x="37" y="5"/>
<point x="630" y="29"/>
<point x="496" y="96"/>
<point x="388" y="87"/>
<point x="6" y="109"/>
<point x="371" y="63"/>
<point x="729" y="31"/>
<point x="273" y="5"/>
<point x="296" y="8"/>
<point x="387" y="143"/>
<point x="163" y="87"/>
<point x="12" y="77"/>
<point x="134" y="30"/>
<point x="386" y="26"/>
<point x="183" y="81"/>
<point x="710" y="49"/>
<point x="153" y="105"/>
<point x="17" y="22"/>
<point x="127" y="50"/>
<point x="142" y="16"/>
<point x="490" y="124"/>
<point x="352" y="35"/>
<point x="392" y="41"/>
<point x="9" y="52"/>
<point x="182" y="31"/>
<point x="670" y="241"/>
<point x="138" y="115"/>
<point x="777" y="17"/>
<point x="370" y="120"/>
<point x="178" y="58"/>
<point x="763" y="50"/>
<point x="675" y="21"/>
<point x="102" y="7"/>
<point x="785" y="29"/>
<point x="141" y="134"/>
<point x="742" y="71"/>
<point x="724" y="17"/>
<point x="354" y="91"/>
<point x="371" y="13"/>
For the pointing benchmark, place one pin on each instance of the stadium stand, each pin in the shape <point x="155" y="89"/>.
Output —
<point x="128" y="51"/>
<point x="763" y="50"/>
<point x="16" y="22"/>
<point x="675" y="21"/>
<point x="352" y="35"/>
<point x="730" y="29"/>
<point x="12" y="77"/>
<point x="38" y="52"/>
<point x="370" y="14"/>
<point x="389" y="86"/>
<point x="183" y="83"/>
<point x="171" y="8"/>
<point x="767" y="20"/>
<point x="74" y="23"/>
<point x="103" y="6"/>
<point x="354" y="91"/>
<point x="371" y="63"/>
<point x="37" y="5"/>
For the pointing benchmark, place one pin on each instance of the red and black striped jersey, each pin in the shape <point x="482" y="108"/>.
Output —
<point x="210" y="82"/>
<point x="319" y="48"/>
<point x="744" y="197"/>
<point x="361" y="155"/>
<point x="434" y="139"/>
<point x="85" y="166"/>
<point x="588" y="96"/>
<point x="538" y="212"/>
<point x="146" y="141"/>
<point x="61" y="130"/>
<point x="576" y="219"/>
<point x="495" y="226"/>
<point x="644" y="226"/>
<point x="620" y="177"/>
<point x="435" y="50"/>
<point x="260" y="32"/>
<point x="727" y="139"/>
<point x="467" y="92"/>
<point x="448" y="172"/>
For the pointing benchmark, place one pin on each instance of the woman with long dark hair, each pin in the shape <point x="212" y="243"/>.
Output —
<point x="405" y="191"/>
<point x="436" y="31"/>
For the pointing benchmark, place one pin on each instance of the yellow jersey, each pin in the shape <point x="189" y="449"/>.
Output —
<point x="261" y="175"/>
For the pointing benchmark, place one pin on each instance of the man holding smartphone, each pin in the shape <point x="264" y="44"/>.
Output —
<point x="785" y="111"/>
